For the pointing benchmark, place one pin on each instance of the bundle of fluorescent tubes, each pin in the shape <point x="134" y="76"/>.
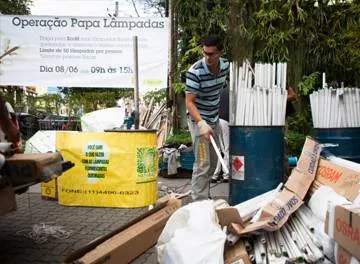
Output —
<point x="335" y="108"/>
<point x="258" y="97"/>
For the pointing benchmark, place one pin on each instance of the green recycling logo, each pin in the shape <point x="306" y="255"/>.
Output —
<point x="146" y="163"/>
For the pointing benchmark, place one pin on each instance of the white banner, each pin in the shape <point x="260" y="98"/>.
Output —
<point x="82" y="51"/>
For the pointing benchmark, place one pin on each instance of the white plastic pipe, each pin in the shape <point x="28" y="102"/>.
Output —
<point x="258" y="258"/>
<point x="310" y="240"/>
<point x="284" y="69"/>
<point x="225" y="166"/>
<point x="249" y="207"/>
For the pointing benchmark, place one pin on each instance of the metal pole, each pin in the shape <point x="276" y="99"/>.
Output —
<point x="116" y="14"/>
<point x="136" y="76"/>
<point x="171" y="69"/>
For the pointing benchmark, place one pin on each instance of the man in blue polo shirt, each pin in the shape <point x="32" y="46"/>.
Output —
<point x="204" y="81"/>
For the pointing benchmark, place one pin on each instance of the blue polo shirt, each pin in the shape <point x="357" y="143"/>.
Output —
<point x="207" y="87"/>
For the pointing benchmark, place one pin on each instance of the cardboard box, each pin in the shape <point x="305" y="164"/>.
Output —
<point x="344" y="181"/>
<point x="129" y="241"/>
<point x="275" y="213"/>
<point x="343" y="225"/>
<point x="49" y="189"/>
<point x="8" y="200"/>
<point x="342" y="256"/>
<point x="236" y="254"/>
<point x="32" y="168"/>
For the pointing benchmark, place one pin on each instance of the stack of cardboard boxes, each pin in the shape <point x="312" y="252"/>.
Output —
<point x="343" y="221"/>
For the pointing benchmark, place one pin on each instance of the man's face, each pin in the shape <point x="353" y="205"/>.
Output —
<point x="212" y="55"/>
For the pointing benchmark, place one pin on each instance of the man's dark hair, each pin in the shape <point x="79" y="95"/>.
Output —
<point x="213" y="40"/>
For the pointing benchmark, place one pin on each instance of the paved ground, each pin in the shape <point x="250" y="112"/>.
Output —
<point x="80" y="225"/>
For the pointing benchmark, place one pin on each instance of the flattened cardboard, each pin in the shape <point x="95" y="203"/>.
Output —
<point x="303" y="175"/>
<point x="276" y="212"/>
<point x="236" y="254"/>
<point x="129" y="241"/>
<point x="344" y="181"/>
<point x="346" y="229"/>
<point x="282" y="206"/>
<point x="229" y="215"/>
<point x="299" y="183"/>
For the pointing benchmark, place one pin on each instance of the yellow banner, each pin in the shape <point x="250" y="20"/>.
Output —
<point x="112" y="169"/>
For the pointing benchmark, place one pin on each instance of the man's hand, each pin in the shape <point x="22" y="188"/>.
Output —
<point x="204" y="129"/>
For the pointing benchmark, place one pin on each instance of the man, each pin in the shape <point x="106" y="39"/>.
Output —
<point x="9" y="127"/>
<point x="204" y="81"/>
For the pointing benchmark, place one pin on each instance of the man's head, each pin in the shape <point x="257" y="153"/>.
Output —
<point x="212" y="50"/>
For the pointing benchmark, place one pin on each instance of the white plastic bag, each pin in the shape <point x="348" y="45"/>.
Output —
<point x="192" y="235"/>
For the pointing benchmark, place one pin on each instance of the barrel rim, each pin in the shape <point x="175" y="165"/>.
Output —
<point x="336" y="128"/>
<point x="258" y="126"/>
<point x="130" y="130"/>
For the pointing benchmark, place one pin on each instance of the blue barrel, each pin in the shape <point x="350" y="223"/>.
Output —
<point x="256" y="161"/>
<point x="346" y="141"/>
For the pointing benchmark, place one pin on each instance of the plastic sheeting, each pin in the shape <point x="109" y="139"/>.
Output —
<point x="41" y="142"/>
<point x="319" y="201"/>
<point x="192" y="235"/>
<point x="100" y="120"/>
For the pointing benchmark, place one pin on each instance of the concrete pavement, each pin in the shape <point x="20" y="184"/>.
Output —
<point x="79" y="225"/>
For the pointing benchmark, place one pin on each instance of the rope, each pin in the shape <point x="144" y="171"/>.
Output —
<point x="41" y="232"/>
<point x="173" y="189"/>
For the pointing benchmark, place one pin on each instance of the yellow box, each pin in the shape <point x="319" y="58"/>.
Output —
<point x="49" y="189"/>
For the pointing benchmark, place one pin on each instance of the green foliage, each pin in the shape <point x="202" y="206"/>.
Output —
<point x="159" y="96"/>
<point x="49" y="103"/>
<point x="158" y="5"/>
<point x="196" y="19"/>
<point x="91" y="99"/>
<point x="271" y="34"/>
<point x="15" y="7"/>
<point x="178" y="87"/>
<point x="190" y="55"/>
<point x="300" y="125"/>
<point x="180" y="137"/>
<point x="311" y="36"/>
<point x="295" y="143"/>
<point x="308" y="83"/>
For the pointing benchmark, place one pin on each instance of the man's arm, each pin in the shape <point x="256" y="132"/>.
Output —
<point x="191" y="107"/>
<point x="204" y="128"/>
<point x="11" y="132"/>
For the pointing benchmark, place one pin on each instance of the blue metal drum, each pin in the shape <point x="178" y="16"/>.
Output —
<point x="343" y="142"/>
<point x="256" y="161"/>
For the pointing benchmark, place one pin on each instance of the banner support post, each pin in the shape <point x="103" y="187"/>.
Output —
<point x="136" y="72"/>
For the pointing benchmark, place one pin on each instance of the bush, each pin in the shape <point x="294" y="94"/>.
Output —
<point x="300" y="126"/>
<point x="180" y="137"/>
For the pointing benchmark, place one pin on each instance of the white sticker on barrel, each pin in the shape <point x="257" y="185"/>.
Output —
<point x="238" y="168"/>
